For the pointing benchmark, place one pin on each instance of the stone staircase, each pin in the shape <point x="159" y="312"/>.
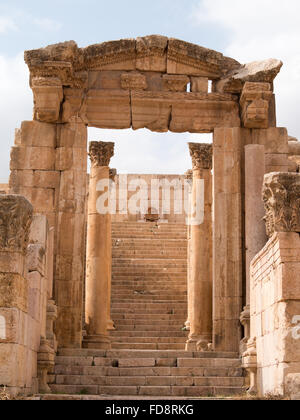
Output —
<point x="149" y="308"/>
<point x="149" y="286"/>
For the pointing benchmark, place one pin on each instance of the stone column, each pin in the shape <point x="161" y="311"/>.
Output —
<point x="15" y="347"/>
<point x="189" y="178"/>
<point x="110" y="322"/>
<point x="98" y="259"/>
<point x="200" y="287"/>
<point x="227" y="238"/>
<point x="255" y="231"/>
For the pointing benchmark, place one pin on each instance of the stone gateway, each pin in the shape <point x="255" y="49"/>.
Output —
<point x="148" y="302"/>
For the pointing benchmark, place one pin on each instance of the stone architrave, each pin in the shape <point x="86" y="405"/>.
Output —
<point x="98" y="260"/>
<point x="200" y="278"/>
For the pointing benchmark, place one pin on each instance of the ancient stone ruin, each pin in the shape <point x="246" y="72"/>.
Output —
<point x="151" y="303"/>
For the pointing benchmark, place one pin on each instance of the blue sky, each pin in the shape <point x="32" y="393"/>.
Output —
<point x="247" y="31"/>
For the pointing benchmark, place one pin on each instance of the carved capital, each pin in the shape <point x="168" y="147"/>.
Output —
<point x="101" y="152"/>
<point x="201" y="154"/>
<point x="16" y="215"/>
<point x="281" y="196"/>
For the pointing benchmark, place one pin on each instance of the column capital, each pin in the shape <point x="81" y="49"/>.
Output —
<point x="281" y="196"/>
<point x="201" y="154"/>
<point x="16" y="215"/>
<point x="101" y="152"/>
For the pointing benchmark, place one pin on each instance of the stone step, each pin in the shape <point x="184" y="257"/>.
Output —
<point x="148" y="346"/>
<point x="186" y="391"/>
<point x="70" y="352"/>
<point x="163" y="290"/>
<point x="148" y="380"/>
<point x="158" y="371"/>
<point x="147" y="317"/>
<point x="150" y="333"/>
<point x="155" y="309"/>
<point x="132" y="234"/>
<point x="152" y="243"/>
<point x="147" y="297"/>
<point x="148" y="281"/>
<point x="147" y="327"/>
<point x="144" y="340"/>
<point x="141" y="253"/>
<point x="63" y="397"/>
<point x="127" y="226"/>
<point x="148" y="262"/>
<point x="163" y="278"/>
<point x="138" y="321"/>
<point x="142" y="271"/>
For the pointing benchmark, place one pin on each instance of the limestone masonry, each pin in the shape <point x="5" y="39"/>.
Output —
<point x="150" y="286"/>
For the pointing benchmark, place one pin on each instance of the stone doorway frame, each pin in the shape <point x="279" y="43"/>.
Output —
<point x="142" y="83"/>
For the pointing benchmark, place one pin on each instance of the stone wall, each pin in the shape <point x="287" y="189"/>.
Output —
<point x="275" y="304"/>
<point x="48" y="167"/>
<point x="26" y="309"/>
<point x="273" y="351"/>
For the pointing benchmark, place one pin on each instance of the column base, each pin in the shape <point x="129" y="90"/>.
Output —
<point x="111" y="325"/>
<point x="97" y="342"/>
<point x="199" y="344"/>
<point x="187" y="325"/>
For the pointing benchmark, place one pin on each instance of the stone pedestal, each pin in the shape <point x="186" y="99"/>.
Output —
<point x="200" y="279"/>
<point x="98" y="265"/>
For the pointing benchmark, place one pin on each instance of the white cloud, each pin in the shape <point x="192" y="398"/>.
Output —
<point x="15" y="105"/>
<point x="7" y="24"/>
<point x="47" y="24"/>
<point x="258" y="30"/>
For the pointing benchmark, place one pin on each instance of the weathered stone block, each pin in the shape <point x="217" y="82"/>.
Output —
<point x="13" y="291"/>
<point x="72" y="135"/>
<point x="133" y="81"/>
<point x="39" y="158"/>
<point x="274" y="139"/>
<point x="48" y="96"/>
<point x="109" y="108"/>
<point x="36" y="134"/>
<point x="175" y="83"/>
<point x="68" y="293"/>
<point x="152" y="53"/>
<point x="199" y="84"/>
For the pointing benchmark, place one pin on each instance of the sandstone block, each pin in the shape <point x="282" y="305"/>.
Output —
<point x="48" y="96"/>
<point x="109" y="109"/>
<point x="152" y="53"/>
<point x="39" y="158"/>
<point x="13" y="291"/>
<point x="36" y="134"/>
<point x="199" y="84"/>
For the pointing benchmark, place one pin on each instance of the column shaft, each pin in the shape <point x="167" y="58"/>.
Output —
<point x="200" y="279"/>
<point x="98" y="264"/>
